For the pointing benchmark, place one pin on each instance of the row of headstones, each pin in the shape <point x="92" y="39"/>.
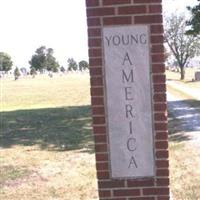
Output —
<point x="176" y="69"/>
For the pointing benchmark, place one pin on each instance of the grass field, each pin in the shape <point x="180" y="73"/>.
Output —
<point x="184" y="155"/>
<point x="46" y="144"/>
<point x="189" y="76"/>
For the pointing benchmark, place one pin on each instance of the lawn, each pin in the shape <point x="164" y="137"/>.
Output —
<point x="184" y="153"/>
<point x="46" y="143"/>
<point x="47" y="148"/>
<point x="189" y="76"/>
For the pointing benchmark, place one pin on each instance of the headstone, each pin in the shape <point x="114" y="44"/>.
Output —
<point x="197" y="76"/>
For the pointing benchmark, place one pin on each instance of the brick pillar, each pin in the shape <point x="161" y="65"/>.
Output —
<point x="111" y="13"/>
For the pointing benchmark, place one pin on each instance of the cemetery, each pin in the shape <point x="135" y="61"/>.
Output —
<point x="123" y="126"/>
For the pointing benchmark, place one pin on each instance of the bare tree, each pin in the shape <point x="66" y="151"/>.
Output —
<point x="183" y="47"/>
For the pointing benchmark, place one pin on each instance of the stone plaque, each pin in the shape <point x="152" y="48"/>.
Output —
<point x="129" y="106"/>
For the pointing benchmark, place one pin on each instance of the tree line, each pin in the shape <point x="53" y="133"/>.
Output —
<point x="180" y="35"/>
<point x="42" y="60"/>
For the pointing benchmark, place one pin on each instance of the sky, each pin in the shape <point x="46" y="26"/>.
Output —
<point x="59" y="24"/>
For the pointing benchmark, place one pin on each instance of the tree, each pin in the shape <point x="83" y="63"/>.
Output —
<point x="16" y="73"/>
<point x="52" y="64"/>
<point x="38" y="60"/>
<point x="194" y="22"/>
<point x="62" y="69"/>
<point x="5" y="62"/>
<point x="44" y="59"/>
<point x="83" y="65"/>
<point x="183" y="47"/>
<point x="72" y="64"/>
<point x="33" y="72"/>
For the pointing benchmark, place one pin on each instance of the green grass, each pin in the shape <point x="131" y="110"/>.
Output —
<point x="44" y="92"/>
<point x="184" y="155"/>
<point x="46" y="142"/>
<point x="189" y="77"/>
<point x="65" y="128"/>
<point x="47" y="148"/>
<point x="184" y="170"/>
<point x="189" y="74"/>
<point x="8" y="172"/>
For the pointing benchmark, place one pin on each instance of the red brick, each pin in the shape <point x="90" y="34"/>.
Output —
<point x="162" y="181"/>
<point x="157" y="48"/>
<point x="98" y="120"/>
<point x="100" y="139"/>
<point x="95" y="62"/>
<point x="148" y="19"/>
<point x="157" y="39"/>
<point x="160" y="117"/>
<point x="93" y="22"/>
<point x="155" y="9"/>
<point x="158" y="58"/>
<point x="100" y="147"/>
<point x="162" y="172"/>
<point x="132" y="10"/>
<point x="95" y="52"/>
<point x="97" y="91"/>
<point x="91" y="3"/>
<point x="160" y="107"/>
<point x="98" y="110"/>
<point x="142" y="198"/>
<point x="162" y="163"/>
<point x="158" y="68"/>
<point x="100" y="11"/>
<point x="162" y="135"/>
<point x="159" y="87"/>
<point x="156" y="191"/>
<point x="104" y="193"/>
<point x="162" y="145"/>
<point x="111" y="184"/>
<point x="117" y="20"/>
<point x="103" y="175"/>
<point x="101" y="157"/>
<point x="96" y="71"/>
<point x="156" y="29"/>
<point x="102" y="166"/>
<point x="94" y="42"/>
<point x="99" y="129"/>
<point x="147" y="1"/>
<point x="159" y="97"/>
<point x="160" y="126"/>
<point x="126" y="192"/>
<point x="96" y="81"/>
<point x="163" y="198"/>
<point x="159" y="78"/>
<point x="108" y="14"/>
<point x="116" y="198"/>
<point x="97" y="101"/>
<point x="162" y="154"/>
<point x="115" y="2"/>
<point x="140" y="183"/>
<point x="94" y="32"/>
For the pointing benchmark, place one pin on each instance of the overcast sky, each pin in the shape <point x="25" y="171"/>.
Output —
<point x="59" y="24"/>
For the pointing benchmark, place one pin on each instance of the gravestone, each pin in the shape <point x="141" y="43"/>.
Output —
<point x="197" y="76"/>
<point x="128" y="93"/>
